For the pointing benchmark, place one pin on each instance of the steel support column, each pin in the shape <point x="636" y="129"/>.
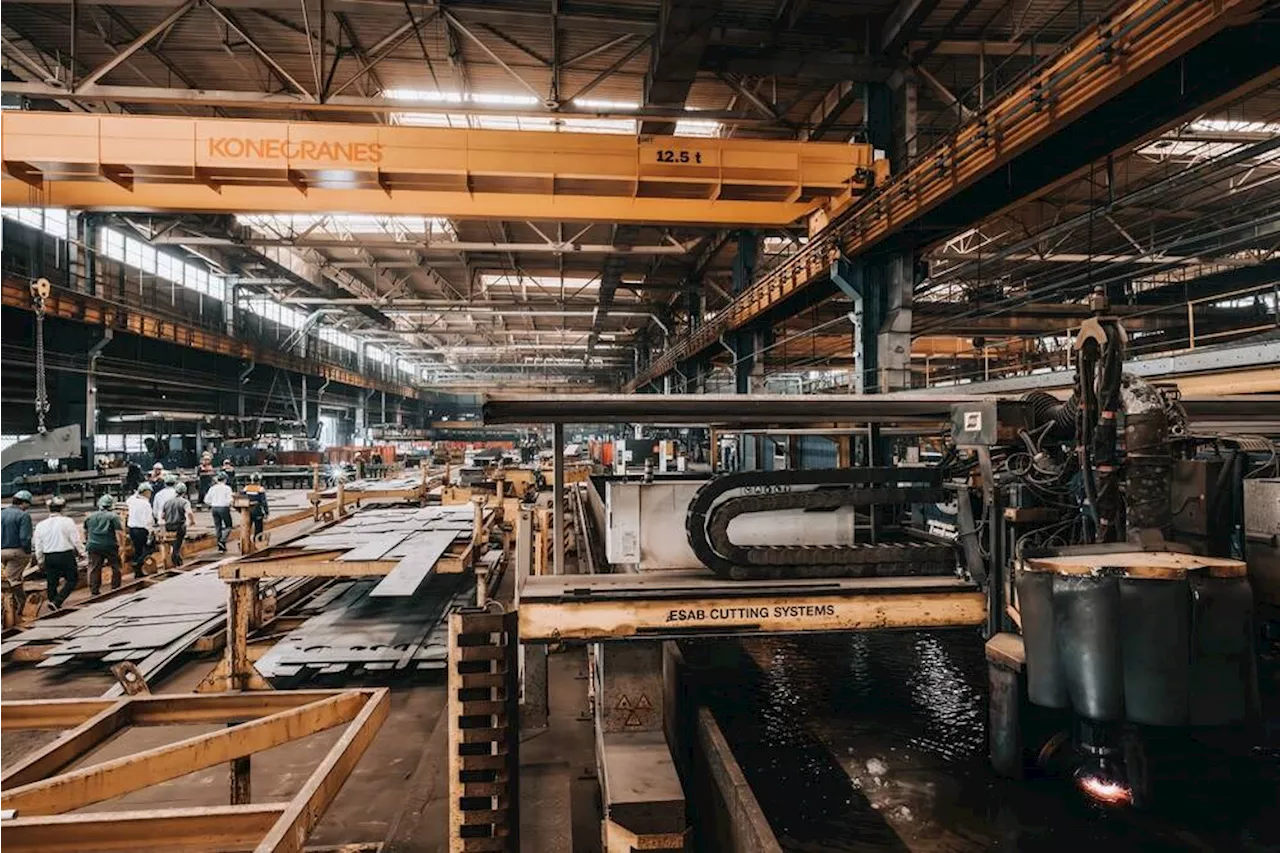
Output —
<point x="891" y="119"/>
<point x="893" y="335"/>
<point x="91" y="389"/>
<point x="557" y="504"/>
<point x="744" y="343"/>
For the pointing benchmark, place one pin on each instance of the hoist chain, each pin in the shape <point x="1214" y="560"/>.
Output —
<point x="39" y="293"/>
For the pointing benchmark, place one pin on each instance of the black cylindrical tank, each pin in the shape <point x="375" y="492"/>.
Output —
<point x="1224" y="681"/>
<point x="1087" y="618"/>
<point x="1046" y="685"/>
<point x="1155" y="629"/>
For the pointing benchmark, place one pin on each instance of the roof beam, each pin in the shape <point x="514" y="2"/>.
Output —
<point x="678" y="49"/>
<point x="363" y="241"/>
<point x="808" y="65"/>
<point x="488" y="51"/>
<point x="287" y="102"/>
<point x="134" y="46"/>
<point x="963" y="47"/>
<point x="835" y="103"/>
<point x="230" y="20"/>
<point x="518" y="10"/>
<point x="903" y="22"/>
<point x="947" y="32"/>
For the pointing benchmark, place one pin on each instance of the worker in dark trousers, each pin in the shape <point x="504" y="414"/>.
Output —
<point x="204" y="475"/>
<point x="132" y="477"/>
<point x="141" y="522"/>
<point x="15" y="547"/>
<point x="58" y="551"/>
<point x="258" y="509"/>
<point x="103" y="531"/>
<point x="177" y="518"/>
<point x="218" y="499"/>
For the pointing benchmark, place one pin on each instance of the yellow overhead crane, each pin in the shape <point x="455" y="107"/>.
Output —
<point x="89" y="162"/>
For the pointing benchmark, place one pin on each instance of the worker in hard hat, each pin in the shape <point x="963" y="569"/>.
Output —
<point x="162" y="496"/>
<point x="219" y="499"/>
<point x="204" y="476"/>
<point x="258" y="509"/>
<point x="103" y="534"/>
<point x="15" y="544"/>
<point x="177" y="518"/>
<point x="157" y="476"/>
<point x="59" y="549"/>
<point x="141" y="524"/>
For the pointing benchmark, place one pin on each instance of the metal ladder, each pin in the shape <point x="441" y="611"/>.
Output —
<point x="484" y="735"/>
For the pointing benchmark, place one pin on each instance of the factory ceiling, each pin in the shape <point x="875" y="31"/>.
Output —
<point x="470" y="296"/>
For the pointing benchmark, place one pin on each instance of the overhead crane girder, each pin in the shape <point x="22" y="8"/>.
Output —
<point x="225" y="165"/>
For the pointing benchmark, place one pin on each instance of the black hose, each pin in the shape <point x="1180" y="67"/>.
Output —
<point x="1048" y="409"/>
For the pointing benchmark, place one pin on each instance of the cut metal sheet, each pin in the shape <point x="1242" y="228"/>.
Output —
<point x="374" y="548"/>
<point x="410" y="572"/>
<point x="359" y="630"/>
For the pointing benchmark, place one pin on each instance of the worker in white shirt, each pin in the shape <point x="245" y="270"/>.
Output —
<point x="163" y="496"/>
<point x="58" y="549"/>
<point x="140" y="523"/>
<point x="218" y="499"/>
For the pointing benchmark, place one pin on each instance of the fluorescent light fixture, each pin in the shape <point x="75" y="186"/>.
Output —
<point x="604" y="104"/>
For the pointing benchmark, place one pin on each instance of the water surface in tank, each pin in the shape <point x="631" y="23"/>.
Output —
<point x="877" y="742"/>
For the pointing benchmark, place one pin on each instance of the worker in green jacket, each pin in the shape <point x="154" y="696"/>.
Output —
<point x="103" y="534"/>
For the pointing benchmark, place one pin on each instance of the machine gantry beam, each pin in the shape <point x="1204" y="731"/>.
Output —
<point x="795" y="410"/>
<point x="100" y="162"/>
<point x="986" y="164"/>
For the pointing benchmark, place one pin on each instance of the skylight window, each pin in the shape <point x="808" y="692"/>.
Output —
<point x="511" y="281"/>
<point x="698" y="127"/>
<point x="292" y="224"/>
<point x="455" y="97"/>
<point x="538" y="121"/>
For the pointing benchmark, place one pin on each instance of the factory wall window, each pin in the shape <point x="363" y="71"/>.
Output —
<point x="108" y="443"/>
<point x="340" y="339"/>
<point x="52" y="221"/>
<point x="143" y="257"/>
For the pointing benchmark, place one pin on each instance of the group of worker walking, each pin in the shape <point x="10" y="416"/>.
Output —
<point x="160" y="503"/>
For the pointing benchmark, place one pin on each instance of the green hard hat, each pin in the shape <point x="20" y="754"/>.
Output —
<point x="106" y="502"/>
<point x="144" y="487"/>
<point x="180" y="488"/>
<point x="170" y="479"/>
<point x="23" y="496"/>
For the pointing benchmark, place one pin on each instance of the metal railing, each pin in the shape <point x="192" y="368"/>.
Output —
<point x="990" y="362"/>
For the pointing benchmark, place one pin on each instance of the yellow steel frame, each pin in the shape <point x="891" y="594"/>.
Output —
<point x="204" y="165"/>
<point x="1102" y="61"/>
<point x="49" y="788"/>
